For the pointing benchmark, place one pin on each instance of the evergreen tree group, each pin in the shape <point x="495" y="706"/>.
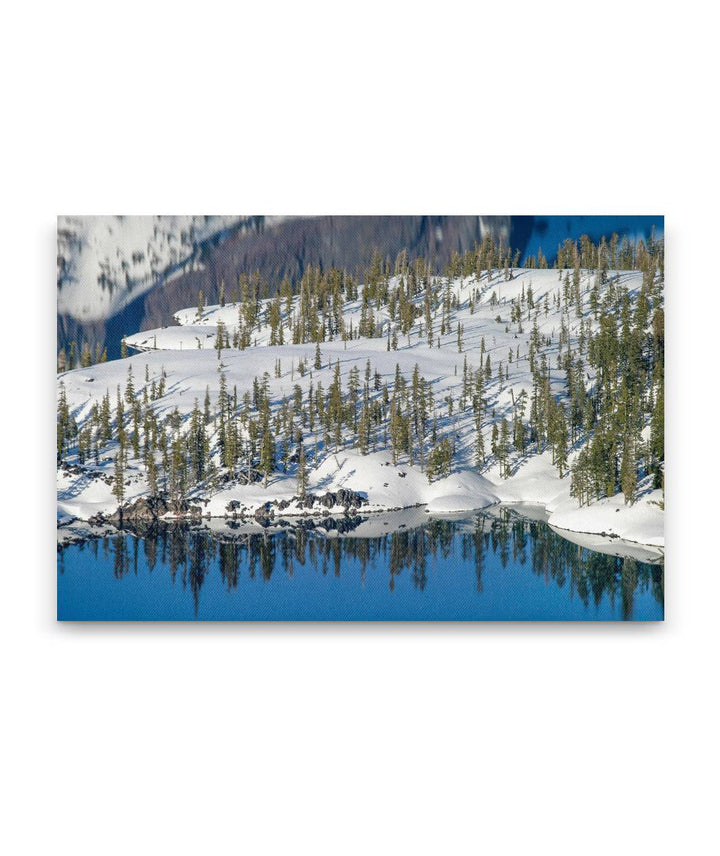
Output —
<point x="602" y="397"/>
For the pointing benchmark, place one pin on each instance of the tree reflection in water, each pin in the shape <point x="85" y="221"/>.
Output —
<point x="191" y="552"/>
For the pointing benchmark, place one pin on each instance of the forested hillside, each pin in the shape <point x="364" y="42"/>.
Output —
<point x="555" y="375"/>
<point x="118" y="275"/>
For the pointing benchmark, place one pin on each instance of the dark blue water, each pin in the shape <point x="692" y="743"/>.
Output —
<point x="529" y="233"/>
<point x="482" y="568"/>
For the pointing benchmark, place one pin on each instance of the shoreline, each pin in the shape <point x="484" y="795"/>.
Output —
<point x="288" y="518"/>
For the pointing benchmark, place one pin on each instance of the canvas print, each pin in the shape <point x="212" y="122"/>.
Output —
<point x="360" y="418"/>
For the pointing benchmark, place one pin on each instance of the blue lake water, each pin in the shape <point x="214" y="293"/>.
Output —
<point x="484" y="567"/>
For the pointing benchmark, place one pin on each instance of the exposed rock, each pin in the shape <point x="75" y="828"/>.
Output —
<point x="150" y="508"/>
<point x="328" y="500"/>
<point x="143" y="508"/>
<point x="233" y="506"/>
<point x="349" y="500"/>
<point x="265" y="514"/>
<point x="182" y="508"/>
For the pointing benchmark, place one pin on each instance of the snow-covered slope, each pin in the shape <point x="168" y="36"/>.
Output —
<point x="105" y="262"/>
<point x="187" y="356"/>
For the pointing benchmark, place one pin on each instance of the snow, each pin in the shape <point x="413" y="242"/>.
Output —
<point x="85" y="496"/>
<point x="187" y="355"/>
<point x="386" y="487"/>
<point x="535" y="480"/>
<point x="105" y="262"/>
<point x="641" y="522"/>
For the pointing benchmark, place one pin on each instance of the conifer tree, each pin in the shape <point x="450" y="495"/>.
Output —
<point x="151" y="475"/>
<point x="105" y="419"/>
<point x="560" y="441"/>
<point x="479" y="444"/>
<point x="129" y="386"/>
<point x="657" y="438"/>
<point x="439" y="460"/>
<point x="628" y="470"/>
<point x="135" y="439"/>
<point x="503" y="448"/>
<point x="267" y="443"/>
<point x="302" y="474"/>
<point x="86" y="356"/>
<point x="119" y="480"/>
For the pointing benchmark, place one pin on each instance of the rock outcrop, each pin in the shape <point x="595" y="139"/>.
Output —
<point x="349" y="500"/>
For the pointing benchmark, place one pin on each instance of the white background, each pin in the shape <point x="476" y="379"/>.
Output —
<point x="358" y="739"/>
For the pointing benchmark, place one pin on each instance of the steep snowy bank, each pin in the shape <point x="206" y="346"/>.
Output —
<point x="536" y="481"/>
<point x="642" y="522"/>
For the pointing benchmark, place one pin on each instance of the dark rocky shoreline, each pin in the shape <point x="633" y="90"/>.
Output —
<point x="153" y="509"/>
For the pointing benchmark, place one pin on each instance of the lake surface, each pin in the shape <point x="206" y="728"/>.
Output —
<point x="499" y="566"/>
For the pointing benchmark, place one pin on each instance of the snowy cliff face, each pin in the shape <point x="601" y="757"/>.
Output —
<point x="105" y="262"/>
